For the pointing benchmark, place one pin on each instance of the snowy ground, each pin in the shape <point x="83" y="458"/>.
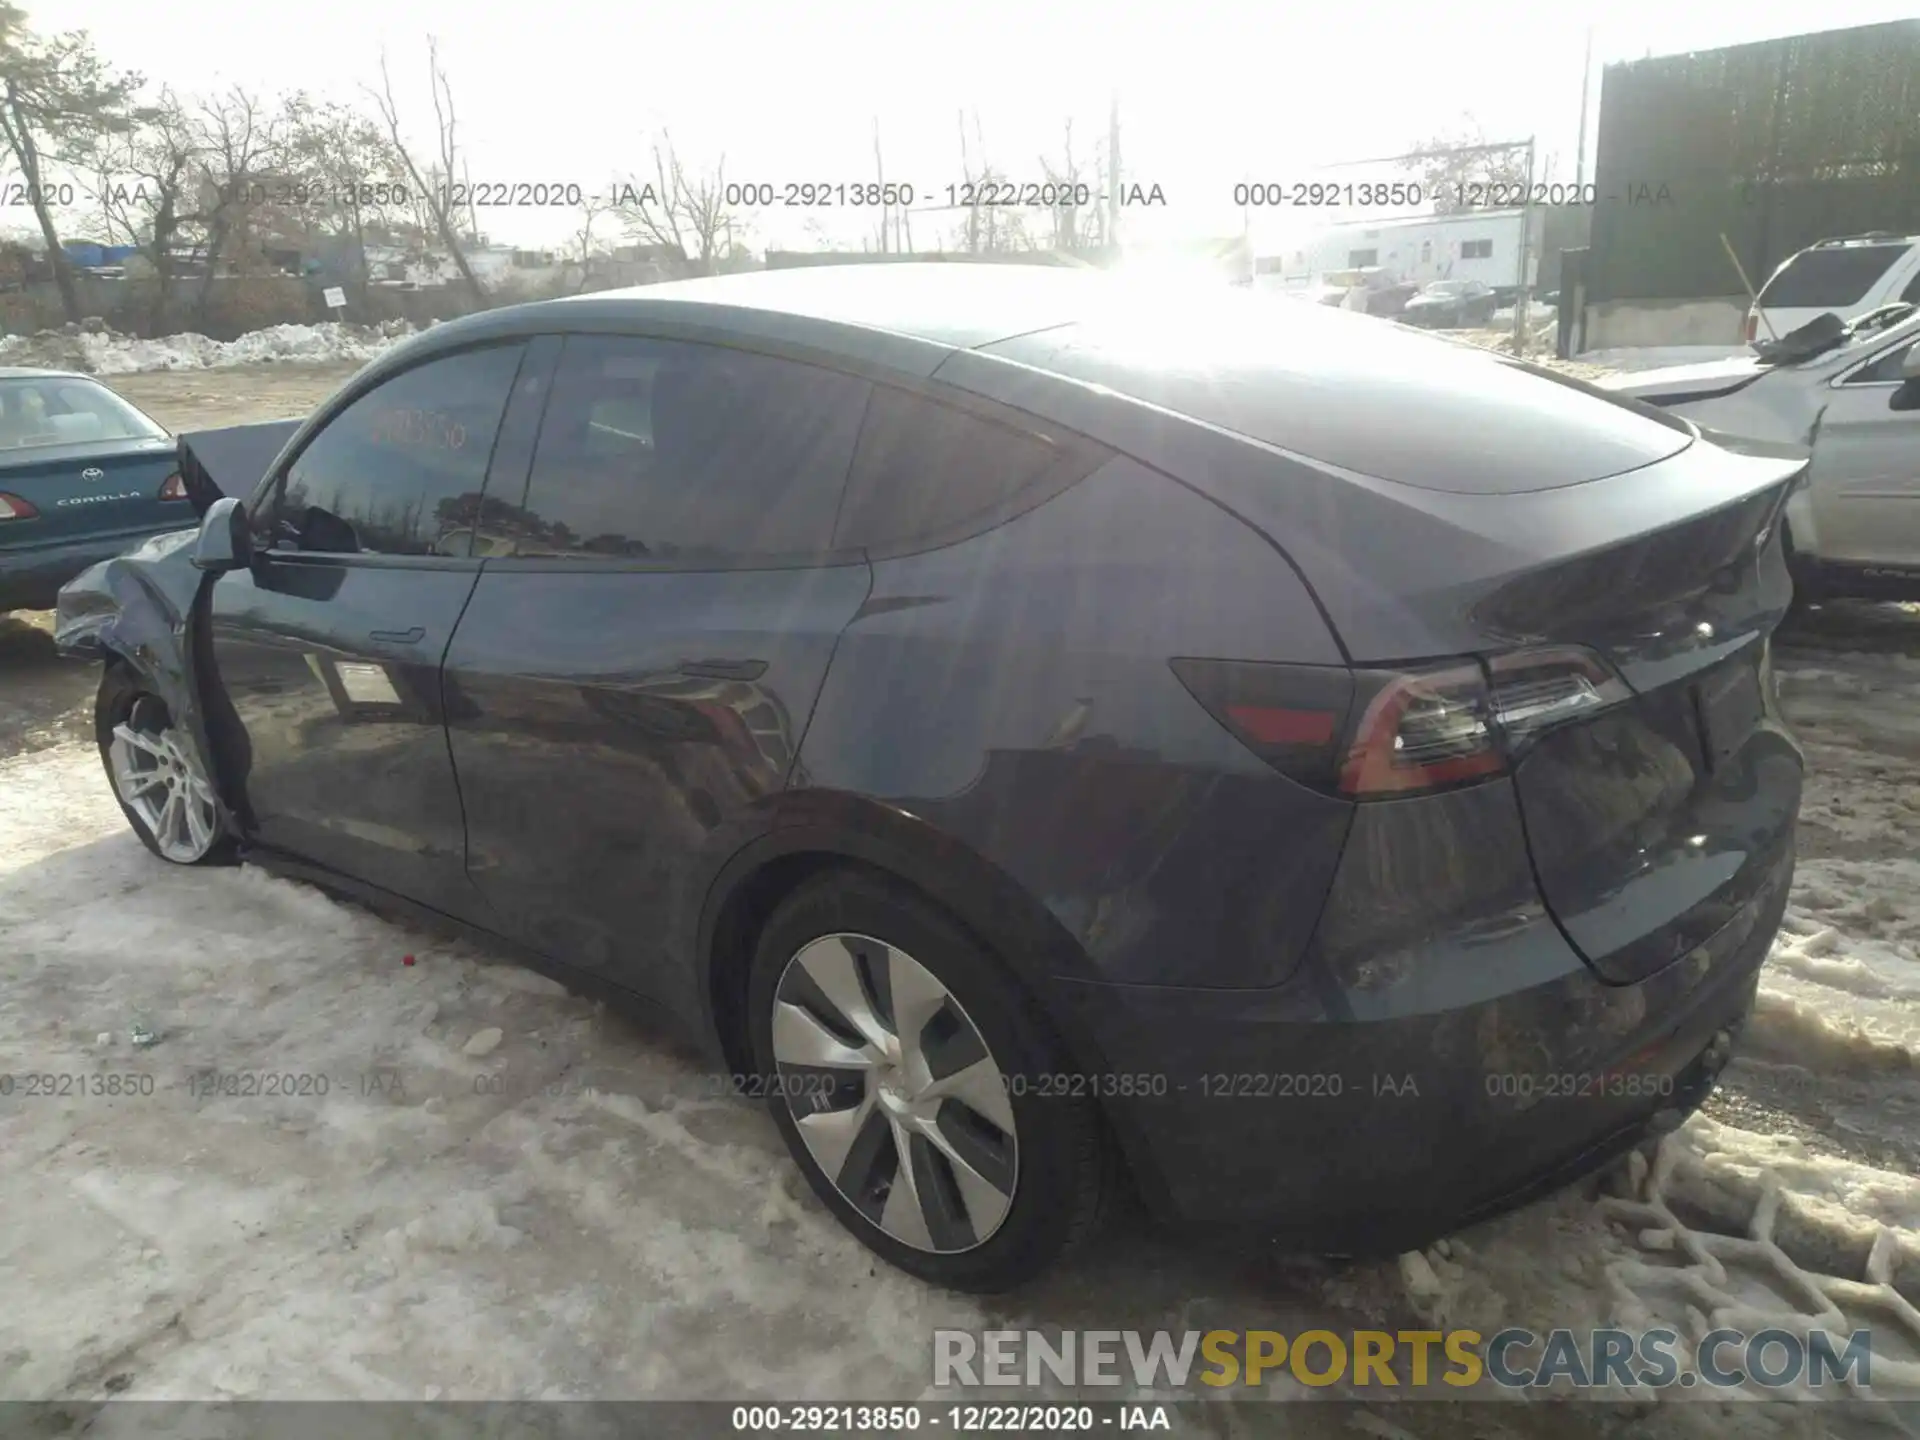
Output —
<point x="508" y="1191"/>
<point x="574" y="1212"/>
<point x="111" y="353"/>
<point x="1659" y="357"/>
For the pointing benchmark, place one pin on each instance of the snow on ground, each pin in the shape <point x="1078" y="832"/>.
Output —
<point x="480" y="1186"/>
<point x="1659" y="357"/>
<point x="107" y="352"/>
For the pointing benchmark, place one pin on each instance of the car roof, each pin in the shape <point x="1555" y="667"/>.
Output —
<point x="29" y="372"/>
<point x="1343" y="389"/>
<point x="901" y="316"/>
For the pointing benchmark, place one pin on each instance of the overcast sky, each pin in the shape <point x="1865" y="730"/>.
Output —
<point x="1209" y="94"/>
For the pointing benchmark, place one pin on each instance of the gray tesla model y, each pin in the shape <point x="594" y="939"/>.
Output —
<point x="1043" y="734"/>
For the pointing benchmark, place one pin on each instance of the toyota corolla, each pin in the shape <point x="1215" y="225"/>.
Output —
<point x="83" y="475"/>
<point x="1045" y="734"/>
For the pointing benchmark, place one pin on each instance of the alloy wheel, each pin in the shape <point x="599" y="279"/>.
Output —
<point x="895" y="1093"/>
<point x="158" y="776"/>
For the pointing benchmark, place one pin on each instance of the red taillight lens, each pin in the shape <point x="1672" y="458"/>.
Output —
<point x="1753" y="325"/>
<point x="174" y="488"/>
<point x="1416" y="731"/>
<point x="12" y="507"/>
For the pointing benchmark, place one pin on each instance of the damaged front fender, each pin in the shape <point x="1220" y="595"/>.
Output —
<point x="138" y="609"/>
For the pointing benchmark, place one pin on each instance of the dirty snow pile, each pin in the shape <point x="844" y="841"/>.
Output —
<point x="449" y="1178"/>
<point x="93" y="349"/>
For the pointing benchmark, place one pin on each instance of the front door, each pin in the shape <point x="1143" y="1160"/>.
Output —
<point x="1865" y="480"/>
<point x="328" y="650"/>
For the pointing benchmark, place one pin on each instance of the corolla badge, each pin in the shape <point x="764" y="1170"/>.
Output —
<point x="93" y="472"/>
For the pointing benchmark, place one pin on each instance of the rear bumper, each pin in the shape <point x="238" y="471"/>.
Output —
<point x="1337" y="1122"/>
<point x="30" y="579"/>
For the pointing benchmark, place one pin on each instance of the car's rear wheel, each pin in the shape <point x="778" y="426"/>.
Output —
<point x="920" y="1090"/>
<point x="156" y="774"/>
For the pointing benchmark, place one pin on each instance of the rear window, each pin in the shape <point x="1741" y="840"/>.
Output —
<point x="64" y="410"/>
<point x="1830" y="279"/>
<point x="1348" y="391"/>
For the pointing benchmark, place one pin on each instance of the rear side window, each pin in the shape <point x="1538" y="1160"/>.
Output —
<point x="925" y="472"/>
<point x="398" y="470"/>
<point x="1830" y="279"/>
<point x="661" y="450"/>
<point x="1912" y="293"/>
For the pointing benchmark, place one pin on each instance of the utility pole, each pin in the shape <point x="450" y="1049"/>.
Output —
<point x="1586" y="83"/>
<point x="1113" y="177"/>
<point x="1520" y="336"/>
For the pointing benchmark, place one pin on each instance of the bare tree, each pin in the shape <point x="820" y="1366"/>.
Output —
<point x="240" y="144"/>
<point x="991" y="227"/>
<point x="1459" y="170"/>
<point x="437" y="197"/>
<point x="1077" y="225"/>
<point x="680" y="209"/>
<point x="57" y="97"/>
<point x="142" y="180"/>
<point x="354" y="172"/>
<point x="593" y="209"/>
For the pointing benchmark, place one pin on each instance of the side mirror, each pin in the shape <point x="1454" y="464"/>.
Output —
<point x="226" y="542"/>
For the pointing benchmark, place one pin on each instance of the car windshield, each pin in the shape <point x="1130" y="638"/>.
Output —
<point x="1447" y="289"/>
<point x="1829" y="278"/>
<point x="44" y="410"/>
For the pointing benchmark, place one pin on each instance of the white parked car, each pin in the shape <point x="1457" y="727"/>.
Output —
<point x="1849" y="392"/>
<point x="1847" y="276"/>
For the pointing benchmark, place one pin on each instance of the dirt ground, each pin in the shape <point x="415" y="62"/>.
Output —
<point x="208" y="399"/>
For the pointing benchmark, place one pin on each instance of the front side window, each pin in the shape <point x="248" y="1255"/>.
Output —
<point x="400" y="471"/>
<point x="44" y="410"/>
<point x="1884" y="370"/>
<point x="660" y="450"/>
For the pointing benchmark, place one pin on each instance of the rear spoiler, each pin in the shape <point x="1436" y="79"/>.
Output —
<point x="230" y="461"/>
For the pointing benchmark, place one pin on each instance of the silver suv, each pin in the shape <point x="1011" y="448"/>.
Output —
<point x="1850" y="393"/>
<point x="1846" y="276"/>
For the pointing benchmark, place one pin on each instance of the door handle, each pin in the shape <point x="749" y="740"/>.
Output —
<point x="725" y="669"/>
<point x="399" y="637"/>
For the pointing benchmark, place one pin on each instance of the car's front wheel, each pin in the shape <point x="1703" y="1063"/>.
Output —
<point x="920" y="1090"/>
<point x="156" y="774"/>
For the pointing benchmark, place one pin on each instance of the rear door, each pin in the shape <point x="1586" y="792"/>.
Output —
<point x="1866" y="470"/>
<point x="627" y="688"/>
<point x="328" y="650"/>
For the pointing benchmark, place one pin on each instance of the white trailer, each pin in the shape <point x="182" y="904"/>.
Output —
<point x="1481" y="245"/>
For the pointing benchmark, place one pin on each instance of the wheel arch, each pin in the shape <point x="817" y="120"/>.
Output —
<point x="821" y="831"/>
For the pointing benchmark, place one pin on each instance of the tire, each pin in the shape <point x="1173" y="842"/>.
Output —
<point x="137" y="739"/>
<point x="1046" y="1166"/>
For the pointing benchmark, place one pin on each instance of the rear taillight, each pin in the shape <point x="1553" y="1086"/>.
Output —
<point x="1753" y="325"/>
<point x="1371" y="734"/>
<point x="1535" y="690"/>
<point x="174" y="488"/>
<point x="12" y="507"/>
<point x="1423" y="731"/>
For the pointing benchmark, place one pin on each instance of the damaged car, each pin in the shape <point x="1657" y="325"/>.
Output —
<point x="1043" y="735"/>
<point x="1848" y="392"/>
